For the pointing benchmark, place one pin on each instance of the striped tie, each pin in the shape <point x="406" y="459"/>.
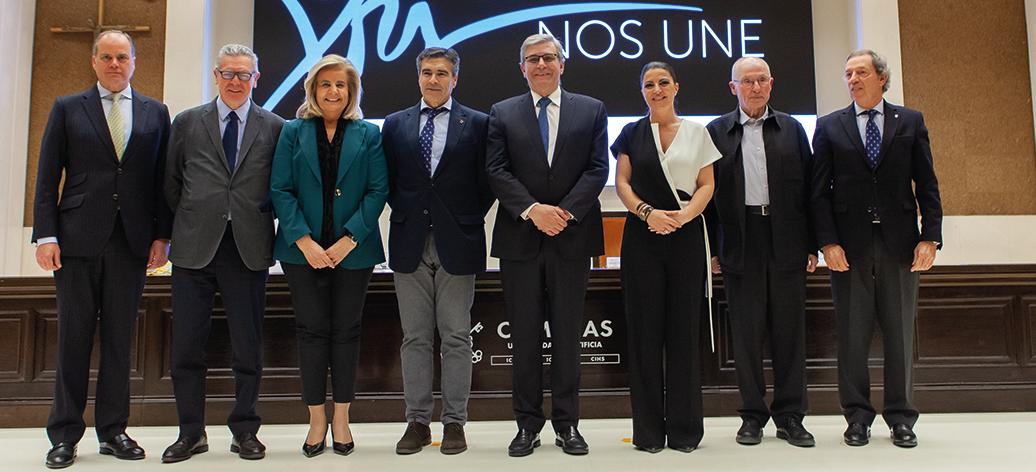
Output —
<point x="115" y="126"/>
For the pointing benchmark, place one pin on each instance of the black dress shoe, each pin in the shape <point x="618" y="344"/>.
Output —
<point x="677" y="447"/>
<point x="247" y="446"/>
<point x="857" y="434"/>
<point x="903" y="435"/>
<point x="523" y="443"/>
<point x="750" y="433"/>
<point x="61" y="455"/>
<point x="570" y="441"/>
<point x="342" y="449"/>
<point x="313" y="450"/>
<point x="651" y="449"/>
<point x="184" y="448"/>
<point x="122" y="447"/>
<point x="796" y="434"/>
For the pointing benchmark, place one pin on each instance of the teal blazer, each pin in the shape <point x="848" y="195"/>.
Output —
<point x="360" y="194"/>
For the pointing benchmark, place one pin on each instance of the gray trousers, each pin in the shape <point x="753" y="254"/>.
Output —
<point x="431" y="298"/>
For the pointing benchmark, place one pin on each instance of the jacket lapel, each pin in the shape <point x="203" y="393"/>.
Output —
<point x="412" y="131"/>
<point x="353" y="134"/>
<point x="210" y="120"/>
<point x="458" y="118"/>
<point x="252" y="127"/>
<point x="308" y="144"/>
<point x="848" y="119"/>
<point x="565" y="119"/>
<point x="888" y="130"/>
<point x="140" y="108"/>
<point x="737" y="167"/>
<point x="532" y="126"/>
<point x="94" y="110"/>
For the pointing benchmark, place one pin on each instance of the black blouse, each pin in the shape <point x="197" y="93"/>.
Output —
<point x="328" y="153"/>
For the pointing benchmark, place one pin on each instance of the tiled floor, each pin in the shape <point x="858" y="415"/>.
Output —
<point x="948" y="442"/>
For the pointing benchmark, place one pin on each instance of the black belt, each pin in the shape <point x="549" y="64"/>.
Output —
<point x="761" y="210"/>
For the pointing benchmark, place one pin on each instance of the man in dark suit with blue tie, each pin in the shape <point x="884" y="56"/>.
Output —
<point x="439" y="196"/>
<point x="547" y="159"/>
<point x="110" y="223"/>
<point x="873" y="170"/>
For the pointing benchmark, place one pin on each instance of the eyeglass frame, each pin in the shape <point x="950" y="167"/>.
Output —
<point x="749" y="83"/>
<point x="242" y="76"/>
<point x="537" y="58"/>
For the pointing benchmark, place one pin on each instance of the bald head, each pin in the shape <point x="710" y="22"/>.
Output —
<point x="751" y="82"/>
<point x="744" y="63"/>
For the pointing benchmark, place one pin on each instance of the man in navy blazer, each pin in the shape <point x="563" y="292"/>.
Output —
<point x="547" y="160"/>
<point x="108" y="226"/>
<point x="872" y="171"/>
<point x="439" y="196"/>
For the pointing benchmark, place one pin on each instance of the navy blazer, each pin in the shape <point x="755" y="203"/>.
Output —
<point x="789" y="162"/>
<point x="519" y="175"/>
<point x="451" y="203"/>
<point x="97" y="186"/>
<point x="844" y="186"/>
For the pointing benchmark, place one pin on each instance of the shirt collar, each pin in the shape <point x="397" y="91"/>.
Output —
<point x="448" y="105"/>
<point x="224" y="109"/>
<point x="744" y="118"/>
<point x="127" y="93"/>
<point x="555" y="96"/>
<point x="880" y="108"/>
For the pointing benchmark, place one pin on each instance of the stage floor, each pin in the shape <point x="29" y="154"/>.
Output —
<point x="947" y="442"/>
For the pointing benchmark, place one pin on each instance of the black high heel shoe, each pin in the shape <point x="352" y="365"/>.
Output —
<point x="342" y="449"/>
<point x="313" y="450"/>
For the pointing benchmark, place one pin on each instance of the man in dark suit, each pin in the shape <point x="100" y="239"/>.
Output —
<point x="110" y="224"/>
<point x="868" y="157"/>
<point x="547" y="162"/>
<point x="218" y="185"/>
<point x="764" y="247"/>
<point x="436" y="156"/>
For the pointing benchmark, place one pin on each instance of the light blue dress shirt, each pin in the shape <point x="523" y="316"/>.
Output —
<point x="861" y="120"/>
<point x="753" y="159"/>
<point x="442" y="125"/>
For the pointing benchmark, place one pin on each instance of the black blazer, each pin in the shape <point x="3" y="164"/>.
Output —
<point x="452" y="203"/>
<point x="789" y="164"/>
<point x="519" y="175"/>
<point x="844" y="187"/>
<point x="97" y="187"/>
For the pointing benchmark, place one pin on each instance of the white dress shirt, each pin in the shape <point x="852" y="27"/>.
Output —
<point x="553" y="117"/>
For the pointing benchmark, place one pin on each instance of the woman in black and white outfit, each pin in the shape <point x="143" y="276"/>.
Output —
<point x="664" y="178"/>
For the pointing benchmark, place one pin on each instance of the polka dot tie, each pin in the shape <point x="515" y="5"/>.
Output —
<point x="873" y="143"/>
<point x="427" y="132"/>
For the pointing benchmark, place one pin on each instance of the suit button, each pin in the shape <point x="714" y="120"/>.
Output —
<point x="875" y="180"/>
<point x="224" y="216"/>
<point x="424" y="211"/>
<point x="115" y="196"/>
<point x="118" y="171"/>
<point x="338" y="192"/>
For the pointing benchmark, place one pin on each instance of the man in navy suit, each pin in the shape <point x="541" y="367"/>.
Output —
<point x="872" y="171"/>
<point x="108" y="226"/>
<point x="436" y="153"/>
<point x="547" y="159"/>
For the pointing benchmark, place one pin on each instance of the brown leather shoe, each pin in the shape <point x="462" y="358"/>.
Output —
<point x="416" y="437"/>
<point x="453" y="441"/>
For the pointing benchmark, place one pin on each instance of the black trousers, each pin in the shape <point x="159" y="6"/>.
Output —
<point x="768" y="305"/>
<point x="106" y="289"/>
<point x="244" y="299"/>
<point x="328" y="307"/>
<point x="663" y="287"/>
<point x="879" y="287"/>
<point x="549" y="288"/>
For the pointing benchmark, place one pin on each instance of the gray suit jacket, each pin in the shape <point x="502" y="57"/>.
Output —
<point x="203" y="192"/>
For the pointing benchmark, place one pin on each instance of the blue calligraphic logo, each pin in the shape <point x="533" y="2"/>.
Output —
<point x="418" y="20"/>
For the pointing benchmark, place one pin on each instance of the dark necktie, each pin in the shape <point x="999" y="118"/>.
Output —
<point x="230" y="141"/>
<point x="427" y="133"/>
<point x="544" y="125"/>
<point x="873" y="143"/>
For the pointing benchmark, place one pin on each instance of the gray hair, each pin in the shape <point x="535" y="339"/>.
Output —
<point x="133" y="46"/>
<point x="881" y="66"/>
<point x="743" y="61"/>
<point x="237" y="50"/>
<point x="436" y="53"/>
<point x="540" y="39"/>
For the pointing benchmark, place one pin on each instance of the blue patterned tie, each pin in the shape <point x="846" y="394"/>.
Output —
<point x="544" y="126"/>
<point x="873" y="143"/>
<point x="230" y="141"/>
<point x="425" y="140"/>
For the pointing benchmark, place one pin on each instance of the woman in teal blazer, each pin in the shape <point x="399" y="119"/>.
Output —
<point x="328" y="186"/>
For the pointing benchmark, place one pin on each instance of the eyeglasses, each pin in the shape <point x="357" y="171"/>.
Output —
<point x="760" y="81"/>
<point x="107" y="58"/>
<point x="229" y="75"/>
<point x="535" y="59"/>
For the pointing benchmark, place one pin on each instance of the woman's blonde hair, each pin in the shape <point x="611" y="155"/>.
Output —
<point x="310" y="108"/>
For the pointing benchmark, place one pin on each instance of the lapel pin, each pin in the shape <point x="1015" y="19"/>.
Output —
<point x="895" y="115"/>
<point x="460" y="121"/>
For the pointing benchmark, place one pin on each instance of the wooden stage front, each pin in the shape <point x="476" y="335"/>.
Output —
<point x="976" y="351"/>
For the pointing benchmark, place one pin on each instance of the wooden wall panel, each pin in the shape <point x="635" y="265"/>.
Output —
<point x="13" y="340"/>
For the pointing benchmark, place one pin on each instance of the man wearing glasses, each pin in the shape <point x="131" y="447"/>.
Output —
<point x="217" y="183"/>
<point x="761" y="240"/>
<point x="547" y="163"/>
